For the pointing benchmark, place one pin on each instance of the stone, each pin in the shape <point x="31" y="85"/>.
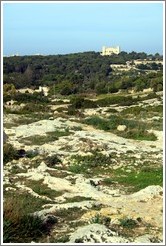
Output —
<point x="96" y="233"/>
<point x="21" y="153"/>
<point x="5" y="137"/>
<point x="148" y="193"/>
<point x="121" y="128"/>
<point x="49" y="219"/>
<point x="143" y="239"/>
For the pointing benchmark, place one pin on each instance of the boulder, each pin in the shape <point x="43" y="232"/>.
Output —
<point x="96" y="233"/>
<point x="121" y="128"/>
<point x="143" y="239"/>
<point x="5" y="137"/>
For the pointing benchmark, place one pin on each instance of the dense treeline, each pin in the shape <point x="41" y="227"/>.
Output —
<point x="73" y="73"/>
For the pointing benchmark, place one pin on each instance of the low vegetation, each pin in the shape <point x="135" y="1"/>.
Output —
<point x="134" y="129"/>
<point x="9" y="153"/>
<point x="136" y="180"/>
<point x="42" y="189"/>
<point x="49" y="137"/>
<point x="20" y="226"/>
<point x="52" y="161"/>
<point x="86" y="164"/>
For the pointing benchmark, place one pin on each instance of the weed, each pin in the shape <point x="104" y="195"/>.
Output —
<point x="143" y="111"/>
<point x="96" y="219"/>
<point x="100" y="219"/>
<point x="82" y="164"/>
<point x="19" y="225"/>
<point x="128" y="223"/>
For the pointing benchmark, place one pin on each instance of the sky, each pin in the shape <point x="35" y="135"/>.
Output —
<point x="71" y="27"/>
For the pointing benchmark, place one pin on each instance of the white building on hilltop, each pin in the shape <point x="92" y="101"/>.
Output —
<point x="108" y="51"/>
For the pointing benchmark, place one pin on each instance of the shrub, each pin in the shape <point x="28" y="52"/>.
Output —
<point x="32" y="153"/>
<point x="9" y="153"/>
<point x="52" y="160"/>
<point x="100" y="219"/>
<point x="28" y="97"/>
<point x="128" y="223"/>
<point x="77" y="102"/>
<point x="34" y="107"/>
<point x="80" y="102"/>
<point x="121" y="100"/>
<point x="128" y="101"/>
<point x="76" y="128"/>
<point x="75" y="168"/>
<point x="98" y="122"/>
<point x="72" y="111"/>
<point x="20" y="226"/>
<point x="89" y="104"/>
<point x="133" y="110"/>
<point x="111" y="110"/>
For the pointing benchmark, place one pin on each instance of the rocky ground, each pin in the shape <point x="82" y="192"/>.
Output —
<point x="91" y="202"/>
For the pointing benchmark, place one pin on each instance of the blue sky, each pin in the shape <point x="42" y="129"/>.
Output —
<point x="62" y="28"/>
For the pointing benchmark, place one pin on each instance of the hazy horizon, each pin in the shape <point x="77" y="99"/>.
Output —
<point x="37" y="54"/>
<point x="66" y="28"/>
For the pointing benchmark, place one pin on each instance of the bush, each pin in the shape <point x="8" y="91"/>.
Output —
<point x="9" y="153"/>
<point x="77" y="102"/>
<point x="117" y="99"/>
<point x="100" y="219"/>
<point x="98" y="122"/>
<point x="20" y="226"/>
<point x="32" y="153"/>
<point x="72" y="111"/>
<point x="31" y="98"/>
<point x="52" y="160"/>
<point x="89" y="104"/>
<point x="128" y="223"/>
<point x="33" y="107"/>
